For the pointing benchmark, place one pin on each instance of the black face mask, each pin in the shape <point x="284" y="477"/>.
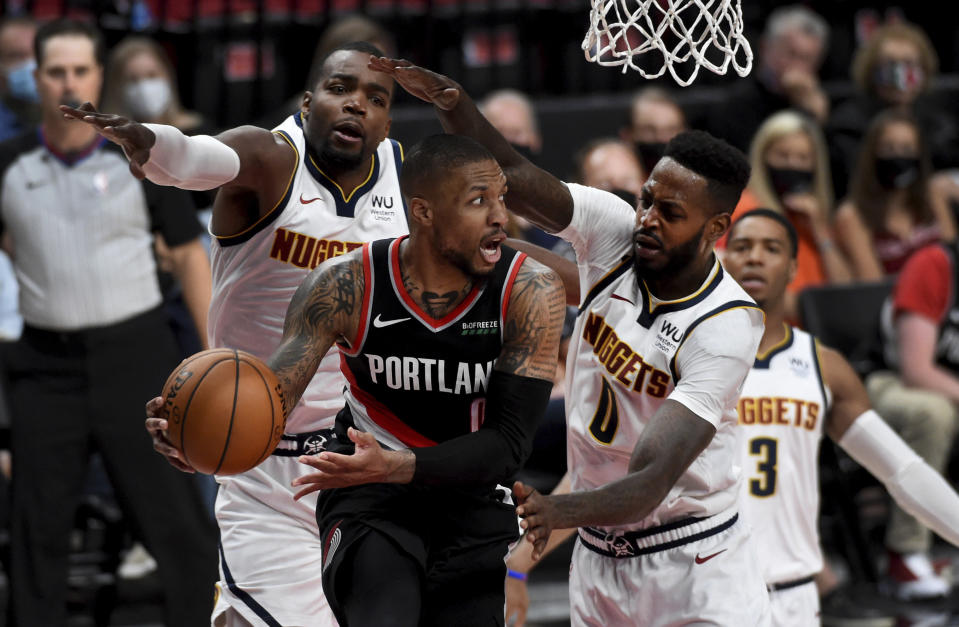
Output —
<point x="526" y="152"/>
<point x="785" y="181"/>
<point x="649" y="154"/>
<point x="898" y="172"/>
<point x="629" y="197"/>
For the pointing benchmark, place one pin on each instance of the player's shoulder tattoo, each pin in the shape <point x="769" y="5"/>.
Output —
<point x="534" y="322"/>
<point x="331" y="296"/>
<point x="325" y="308"/>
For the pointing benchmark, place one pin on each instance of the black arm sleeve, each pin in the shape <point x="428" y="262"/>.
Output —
<point x="514" y="406"/>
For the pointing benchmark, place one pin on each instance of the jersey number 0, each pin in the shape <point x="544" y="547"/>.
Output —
<point x="606" y="419"/>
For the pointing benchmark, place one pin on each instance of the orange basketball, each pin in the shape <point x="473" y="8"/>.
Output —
<point x="225" y="411"/>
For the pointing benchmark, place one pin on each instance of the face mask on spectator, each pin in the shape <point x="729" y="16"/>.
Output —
<point x="20" y="83"/>
<point x="897" y="172"/>
<point x="526" y="152"/>
<point x="147" y="98"/>
<point x="786" y="181"/>
<point x="899" y="75"/>
<point x="626" y="195"/>
<point x="649" y="154"/>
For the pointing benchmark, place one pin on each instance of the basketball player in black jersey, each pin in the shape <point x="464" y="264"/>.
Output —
<point x="449" y="343"/>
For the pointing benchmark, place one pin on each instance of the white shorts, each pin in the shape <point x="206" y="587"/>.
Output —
<point x="270" y="549"/>
<point x="795" y="607"/>
<point x="712" y="581"/>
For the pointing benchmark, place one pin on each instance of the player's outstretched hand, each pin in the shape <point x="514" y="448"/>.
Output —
<point x="434" y="88"/>
<point x="157" y="427"/>
<point x="517" y="602"/>
<point x="369" y="463"/>
<point x="538" y="514"/>
<point x="135" y="139"/>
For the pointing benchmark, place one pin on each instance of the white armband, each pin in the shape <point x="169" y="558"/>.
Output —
<point x="197" y="163"/>
<point x="917" y="488"/>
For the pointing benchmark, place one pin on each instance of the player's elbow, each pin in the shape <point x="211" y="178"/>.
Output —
<point x="510" y="457"/>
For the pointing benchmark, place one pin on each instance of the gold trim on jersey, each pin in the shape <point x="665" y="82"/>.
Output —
<point x="346" y="198"/>
<point x="663" y="303"/>
<point x="786" y="339"/>
<point x="695" y="325"/>
<point x="280" y="202"/>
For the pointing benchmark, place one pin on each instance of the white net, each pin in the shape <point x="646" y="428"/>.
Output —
<point x="652" y="36"/>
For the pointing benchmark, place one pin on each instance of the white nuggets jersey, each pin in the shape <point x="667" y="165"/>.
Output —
<point x="255" y="273"/>
<point x="781" y="414"/>
<point x="630" y="352"/>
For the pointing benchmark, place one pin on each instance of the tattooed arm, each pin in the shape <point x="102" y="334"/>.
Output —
<point x="519" y="388"/>
<point x="325" y="309"/>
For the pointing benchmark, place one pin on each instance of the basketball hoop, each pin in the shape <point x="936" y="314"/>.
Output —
<point x="708" y="32"/>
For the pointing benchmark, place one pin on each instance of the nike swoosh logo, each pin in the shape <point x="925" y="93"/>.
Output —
<point x="703" y="560"/>
<point x="305" y="201"/>
<point x="618" y="297"/>
<point x="379" y="323"/>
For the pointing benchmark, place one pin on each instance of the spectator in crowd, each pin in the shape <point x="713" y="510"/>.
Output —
<point x="18" y="89"/>
<point x="654" y="118"/>
<point x="893" y="69"/>
<point x="342" y="31"/>
<point x="346" y="30"/>
<point x="786" y="76"/>
<point x="512" y="113"/>
<point x="892" y="209"/>
<point x="919" y="398"/>
<point x="790" y="174"/>
<point x="610" y="164"/>
<point x="95" y="343"/>
<point x="141" y="85"/>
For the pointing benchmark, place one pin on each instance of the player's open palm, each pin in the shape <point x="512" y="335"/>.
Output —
<point x="422" y="83"/>
<point x="135" y="139"/>
<point x="367" y="464"/>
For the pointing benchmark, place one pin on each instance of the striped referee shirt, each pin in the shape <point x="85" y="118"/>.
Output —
<point x="82" y="232"/>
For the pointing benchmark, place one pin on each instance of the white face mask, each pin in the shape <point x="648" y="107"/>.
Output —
<point x="148" y="98"/>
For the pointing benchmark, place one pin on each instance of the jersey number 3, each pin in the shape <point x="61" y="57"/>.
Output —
<point x="606" y="419"/>
<point x="765" y="449"/>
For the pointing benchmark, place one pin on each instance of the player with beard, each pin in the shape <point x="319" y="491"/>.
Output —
<point x="449" y="343"/>
<point x="661" y="347"/>
<point x="796" y="391"/>
<point x="320" y="184"/>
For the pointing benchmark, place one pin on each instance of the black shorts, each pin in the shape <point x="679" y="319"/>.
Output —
<point x="459" y="538"/>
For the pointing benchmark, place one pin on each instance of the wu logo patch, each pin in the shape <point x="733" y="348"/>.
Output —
<point x="800" y="366"/>
<point x="671" y="331"/>
<point x="386" y="202"/>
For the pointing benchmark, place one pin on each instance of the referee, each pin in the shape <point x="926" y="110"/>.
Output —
<point x="95" y="343"/>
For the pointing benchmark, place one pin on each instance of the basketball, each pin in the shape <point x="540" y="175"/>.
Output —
<point x="225" y="411"/>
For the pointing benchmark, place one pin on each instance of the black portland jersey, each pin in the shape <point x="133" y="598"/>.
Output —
<point x="413" y="380"/>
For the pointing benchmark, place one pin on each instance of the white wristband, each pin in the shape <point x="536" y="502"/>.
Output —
<point x="917" y="488"/>
<point x="197" y="163"/>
